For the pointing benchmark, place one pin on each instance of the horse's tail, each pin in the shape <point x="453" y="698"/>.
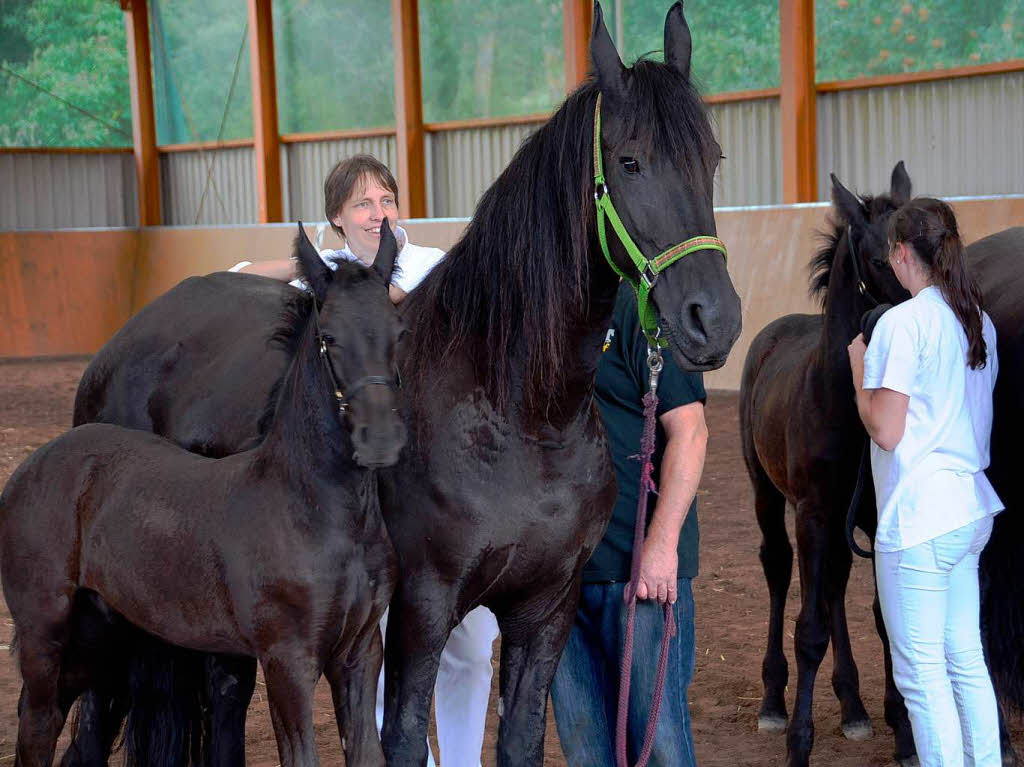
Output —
<point x="1002" y="607"/>
<point x="164" y="727"/>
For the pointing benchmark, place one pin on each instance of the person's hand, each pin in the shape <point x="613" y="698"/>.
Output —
<point x="856" y="350"/>
<point x="658" y="569"/>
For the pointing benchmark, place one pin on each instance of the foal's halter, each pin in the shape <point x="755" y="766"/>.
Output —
<point x="861" y="286"/>
<point x="648" y="268"/>
<point x="343" y="397"/>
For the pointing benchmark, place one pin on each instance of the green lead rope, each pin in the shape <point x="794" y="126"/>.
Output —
<point x="647" y="268"/>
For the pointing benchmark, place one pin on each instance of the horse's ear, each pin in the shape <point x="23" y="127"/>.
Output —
<point x="312" y="268"/>
<point x="900" y="186"/>
<point x="387" y="252"/>
<point x="678" y="44"/>
<point x="611" y="74"/>
<point x="846" y="203"/>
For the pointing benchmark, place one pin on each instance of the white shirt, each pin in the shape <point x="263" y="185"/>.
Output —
<point x="933" y="481"/>
<point x="414" y="262"/>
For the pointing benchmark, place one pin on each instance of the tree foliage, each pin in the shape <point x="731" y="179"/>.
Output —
<point x="76" y="50"/>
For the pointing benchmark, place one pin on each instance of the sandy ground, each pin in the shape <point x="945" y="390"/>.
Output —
<point x="731" y="606"/>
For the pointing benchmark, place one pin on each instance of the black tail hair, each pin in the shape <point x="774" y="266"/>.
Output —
<point x="164" y="727"/>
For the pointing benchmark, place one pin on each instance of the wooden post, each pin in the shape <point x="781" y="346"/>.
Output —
<point x="578" y="16"/>
<point x="266" y="139"/>
<point x="410" y="135"/>
<point x="140" y="78"/>
<point x="798" y="102"/>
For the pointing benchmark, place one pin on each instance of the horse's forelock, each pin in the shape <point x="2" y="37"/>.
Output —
<point x="821" y="264"/>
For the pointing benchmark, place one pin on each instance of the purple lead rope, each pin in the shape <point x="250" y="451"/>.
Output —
<point x="646" y="486"/>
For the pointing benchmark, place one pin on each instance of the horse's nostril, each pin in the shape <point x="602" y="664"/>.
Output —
<point x="363" y="434"/>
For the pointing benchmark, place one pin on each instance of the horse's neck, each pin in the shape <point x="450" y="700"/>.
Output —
<point x="843" y="308"/>
<point x="306" y="435"/>
<point x="587" y="332"/>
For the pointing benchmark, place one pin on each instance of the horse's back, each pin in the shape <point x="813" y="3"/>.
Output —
<point x="188" y="361"/>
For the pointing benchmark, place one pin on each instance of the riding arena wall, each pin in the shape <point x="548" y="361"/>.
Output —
<point x="65" y="292"/>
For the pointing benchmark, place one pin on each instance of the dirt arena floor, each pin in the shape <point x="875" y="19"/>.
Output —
<point x="731" y="607"/>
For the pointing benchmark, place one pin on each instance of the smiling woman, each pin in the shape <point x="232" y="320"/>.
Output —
<point x="359" y="194"/>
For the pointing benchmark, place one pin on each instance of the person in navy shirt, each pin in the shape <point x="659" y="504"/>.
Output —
<point x="586" y="684"/>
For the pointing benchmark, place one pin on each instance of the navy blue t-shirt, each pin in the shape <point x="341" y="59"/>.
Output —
<point x="622" y="381"/>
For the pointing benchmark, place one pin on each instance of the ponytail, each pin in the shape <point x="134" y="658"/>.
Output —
<point x="929" y="227"/>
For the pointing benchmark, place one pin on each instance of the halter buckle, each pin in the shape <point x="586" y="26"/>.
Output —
<point x="600" y="190"/>
<point x="649" y="276"/>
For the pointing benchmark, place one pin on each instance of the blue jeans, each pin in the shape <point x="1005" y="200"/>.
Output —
<point x="929" y="599"/>
<point x="585" y="691"/>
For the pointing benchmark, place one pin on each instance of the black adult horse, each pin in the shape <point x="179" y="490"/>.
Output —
<point x="278" y="553"/>
<point x="507" y="484"/>
<point x="802" y="440"/>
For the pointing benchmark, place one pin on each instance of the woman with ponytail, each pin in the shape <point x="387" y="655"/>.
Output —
<point x="924" y="392"/>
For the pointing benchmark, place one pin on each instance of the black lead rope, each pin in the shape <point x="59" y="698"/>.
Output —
<point x="851" y="514"/>
<point x="867" y="327"/>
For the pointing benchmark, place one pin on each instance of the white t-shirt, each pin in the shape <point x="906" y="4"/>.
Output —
<point x="933" y="481"/>
<point x="414" y="262"/>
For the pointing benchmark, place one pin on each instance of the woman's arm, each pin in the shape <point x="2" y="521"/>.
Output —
<point x="279" y="269"/>
<point x="883" y="411"/>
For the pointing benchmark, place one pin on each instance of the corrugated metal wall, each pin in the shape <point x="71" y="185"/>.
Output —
<point x="749" y="132"/>
<point x="461" y="164"/>
<point x="229" y="198"/>
<point x="59" y="190"/>
<point x="306" y="165"/>
<point x="957" y="137"/>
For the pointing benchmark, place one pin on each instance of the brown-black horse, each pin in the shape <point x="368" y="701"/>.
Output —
<point x="802" y="441"/>
<point x="279" y="553"/>
<point x="507" y="484"/>
<point x="821" y="465"/>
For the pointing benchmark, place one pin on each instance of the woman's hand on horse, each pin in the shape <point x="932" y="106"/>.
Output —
<point x="658" y="568"/>
<point x="856" y="350"/>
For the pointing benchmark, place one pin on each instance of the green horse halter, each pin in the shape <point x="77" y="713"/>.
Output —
<point x="649" y="268"/>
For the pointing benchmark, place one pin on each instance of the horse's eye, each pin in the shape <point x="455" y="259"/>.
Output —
<point x="629" y="164"/>
<point x="328" y="339"/>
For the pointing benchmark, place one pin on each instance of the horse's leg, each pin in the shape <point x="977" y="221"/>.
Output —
<point x="419" y="620"/>
<point x="101" y="712"/>
<point x="904" y="751"/>
<point x="291" y="674"/>
<point x="42" y="709"/>
<point x="229" y="681"/>
<point x="777" y="563"/>
<point x="856" y="723"/>
<point x="533" y="635"/>
<point x="812" y="633"/>
<point x="354" y="690"/>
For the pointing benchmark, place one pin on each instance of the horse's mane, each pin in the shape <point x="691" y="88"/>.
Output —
<point x="820" y="267"/>
<point x="511" y="288"/>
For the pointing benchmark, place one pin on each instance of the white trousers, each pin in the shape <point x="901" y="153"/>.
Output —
<point x="461" y="691"/>
<point x="930" y="604"/>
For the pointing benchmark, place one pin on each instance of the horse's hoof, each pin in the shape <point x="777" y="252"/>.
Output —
<point x="769" y="723"/>
<point x="909" y="761"/>
<point x="861" y="730"/>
